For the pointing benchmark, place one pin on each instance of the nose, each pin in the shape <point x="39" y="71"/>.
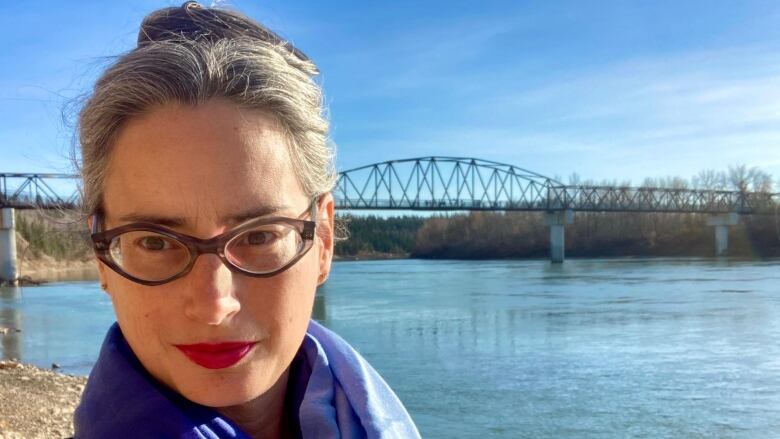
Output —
<point x="210" y="297"/>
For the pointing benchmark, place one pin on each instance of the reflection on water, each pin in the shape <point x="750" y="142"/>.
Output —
<point x="10" y="318"/>
<point x="320" y="312"/>
<point x="65" y="323"/>
<point x="519" y="349"/>
<point x="589" y="349"/>
<point x="61" y="323"/>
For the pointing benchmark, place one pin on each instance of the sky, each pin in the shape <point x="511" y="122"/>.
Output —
<point x="609" y="90"/>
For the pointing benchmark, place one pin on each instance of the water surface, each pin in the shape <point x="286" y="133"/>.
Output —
<point x="519" y="349"/>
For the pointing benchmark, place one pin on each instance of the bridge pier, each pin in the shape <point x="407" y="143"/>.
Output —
<point x="721" y="222"/>
<point x="556" y="220"/>
<point x="8" y="267"/>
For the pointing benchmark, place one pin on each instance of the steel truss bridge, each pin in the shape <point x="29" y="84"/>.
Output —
<point x="442" y="184"/>
<point x="456" y="183"/>
<point x="450" y="184"/>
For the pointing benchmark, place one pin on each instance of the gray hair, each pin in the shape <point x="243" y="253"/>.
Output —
<point x="192" y="54"/>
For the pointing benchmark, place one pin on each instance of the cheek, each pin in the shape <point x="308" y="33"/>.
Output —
<point x="140" y="313"/>
<point x="284" y="302"/>
<point x="301" y="299"/>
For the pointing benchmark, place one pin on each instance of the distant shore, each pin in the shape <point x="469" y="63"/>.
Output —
<point x="51" y="270"/>
<point x="370" y="256"/>
<point x="37" y="272"/>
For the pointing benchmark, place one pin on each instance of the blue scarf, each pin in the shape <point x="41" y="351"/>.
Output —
<point x="342" y="396"/>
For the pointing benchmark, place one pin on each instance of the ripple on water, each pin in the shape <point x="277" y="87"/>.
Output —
<point x="507" y="349"/>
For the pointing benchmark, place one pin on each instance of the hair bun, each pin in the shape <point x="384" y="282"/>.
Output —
<point x="191" y="4"/>
<point x="192" y="21"/>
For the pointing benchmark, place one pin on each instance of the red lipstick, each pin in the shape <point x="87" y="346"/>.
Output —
<point x="217" y="355"/>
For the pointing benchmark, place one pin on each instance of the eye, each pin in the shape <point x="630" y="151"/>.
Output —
<point x="259" y="237"/>
<point x="154" y="243"/>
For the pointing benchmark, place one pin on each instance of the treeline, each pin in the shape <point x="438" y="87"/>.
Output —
<point x="736" y="178"/>
<point x="474" y="235"/>
<point x="524" y="235"/>
<point x="61" y="235"/>
<point x="372" y="236"/>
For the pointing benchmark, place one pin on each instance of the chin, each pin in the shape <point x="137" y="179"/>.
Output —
<point x="210" y="399"/>
<point x="225" y="393"/>
<point x="224" y="388"/>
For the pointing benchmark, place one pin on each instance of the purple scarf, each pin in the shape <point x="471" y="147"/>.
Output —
<point x="341" y="396"/>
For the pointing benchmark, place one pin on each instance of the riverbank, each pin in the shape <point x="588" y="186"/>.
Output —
<point x="52" y="270"/>
<point x="42" y="270"/>
<point x="44" y="259"/>
<point x="37" y="403"/>
<point x="46" y="269"/>
<point x="371" y="256"/>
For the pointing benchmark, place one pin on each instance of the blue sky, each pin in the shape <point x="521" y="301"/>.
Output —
<point x="610" y="90"/>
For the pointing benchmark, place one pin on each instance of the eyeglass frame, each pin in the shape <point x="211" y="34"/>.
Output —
<point x="101" y="243"/>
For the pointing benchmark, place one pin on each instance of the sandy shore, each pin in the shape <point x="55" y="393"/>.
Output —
<point x="37" y="403"/>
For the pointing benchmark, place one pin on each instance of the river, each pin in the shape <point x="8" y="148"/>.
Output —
<point x="612" y="348"/>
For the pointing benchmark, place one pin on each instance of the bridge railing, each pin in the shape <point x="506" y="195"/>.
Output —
<point x="587" y="199"/>
<point x="632" y="199"/>
<point x="443" y="205"/>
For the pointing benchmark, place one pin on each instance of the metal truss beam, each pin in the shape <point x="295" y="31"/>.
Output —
<point x="34" y="191"/>
<point x="454" y="184"/>
<point x="457" y="183"/>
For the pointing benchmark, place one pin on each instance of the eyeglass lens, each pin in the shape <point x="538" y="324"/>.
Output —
<point x="153" y="256"/>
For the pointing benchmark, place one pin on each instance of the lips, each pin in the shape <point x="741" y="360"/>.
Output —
<point x="217" y="355"/>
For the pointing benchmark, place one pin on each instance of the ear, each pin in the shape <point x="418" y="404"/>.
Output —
<point x="325" y="231"/>
<point x="102" y="269"/>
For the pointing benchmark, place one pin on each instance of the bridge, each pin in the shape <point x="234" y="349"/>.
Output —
<point x="452" y="184"/>
<point x="455" y="183"/>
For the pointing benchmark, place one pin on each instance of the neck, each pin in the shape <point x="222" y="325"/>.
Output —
<point x="264" y="416"/>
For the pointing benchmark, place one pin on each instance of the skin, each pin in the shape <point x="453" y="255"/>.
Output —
<point x="194" y="167"/>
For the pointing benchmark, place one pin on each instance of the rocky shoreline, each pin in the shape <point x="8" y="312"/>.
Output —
<point x="37" y="403"/>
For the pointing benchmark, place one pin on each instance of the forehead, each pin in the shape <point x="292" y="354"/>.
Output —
<point x="205" y="161"/>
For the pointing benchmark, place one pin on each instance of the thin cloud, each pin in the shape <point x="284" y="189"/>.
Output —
<point x="424" y="58"/>
<point x="650" y="116"/>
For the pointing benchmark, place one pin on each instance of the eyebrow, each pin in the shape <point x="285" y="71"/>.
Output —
<point x="174" y="221"/>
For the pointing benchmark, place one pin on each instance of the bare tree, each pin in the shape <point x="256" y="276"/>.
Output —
<point x="746" y="179"/>
<point x="762" y="182"/>
<point x="650" y="182"/>
<point x="709" y="179"/>
<point x="674" y="183"/>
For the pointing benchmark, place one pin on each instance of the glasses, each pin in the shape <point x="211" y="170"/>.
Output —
<point x="149" y="254"/>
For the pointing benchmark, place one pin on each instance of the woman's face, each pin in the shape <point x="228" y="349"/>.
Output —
<point x="193" y="169"/>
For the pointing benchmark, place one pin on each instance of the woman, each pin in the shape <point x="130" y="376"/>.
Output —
<point x="207" y="177"/>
